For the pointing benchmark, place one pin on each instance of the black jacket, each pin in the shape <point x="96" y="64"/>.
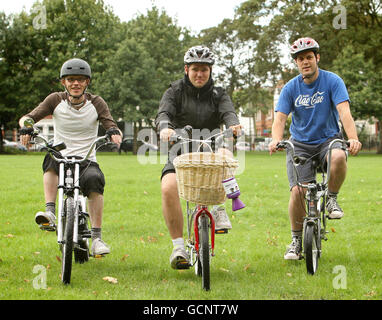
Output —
<point x="205" y="108"/>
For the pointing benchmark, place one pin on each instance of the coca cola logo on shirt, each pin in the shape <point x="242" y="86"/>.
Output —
<point x="307" y="101"/>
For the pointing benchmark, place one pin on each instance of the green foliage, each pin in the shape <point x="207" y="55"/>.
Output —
<point x="349" y="34"/>
<point x="132" y="63"/>
<point x="363" y="83"/>
<point x="144" y="64"/>
<point x="33" y="55"/>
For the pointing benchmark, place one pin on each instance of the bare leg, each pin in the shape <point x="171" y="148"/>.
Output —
<point x="95" y="202"/>
<point x="297" y="208"/>
<point x="172" y="210"/>
<point x="338" y="170"/>
<point x="50" y="180"/>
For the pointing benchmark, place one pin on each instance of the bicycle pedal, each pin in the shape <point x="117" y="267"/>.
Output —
<point x="86" y="235"/>
<point x="181" y="265"/>
<point x="221" y="231"/>
<point x="47" y="227"/>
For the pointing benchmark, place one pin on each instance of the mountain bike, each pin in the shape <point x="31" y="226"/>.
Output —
<point x="72" y="220"/>
<point x="199" y="177"/>
<point x="314" y="226"/>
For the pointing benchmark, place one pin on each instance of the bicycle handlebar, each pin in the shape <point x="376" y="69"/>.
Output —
<point x="298" y="160"/>
<point x="55" y="150"/>
<point x="216" y="138"/>
<point x="287" y="144"/>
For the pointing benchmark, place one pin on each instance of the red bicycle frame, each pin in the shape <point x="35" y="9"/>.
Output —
<point x="204" y="210"/>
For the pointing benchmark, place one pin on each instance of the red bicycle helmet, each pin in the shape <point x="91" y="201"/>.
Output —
<point x="303" y="44"/>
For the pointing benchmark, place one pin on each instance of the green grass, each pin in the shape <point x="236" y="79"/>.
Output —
<point x="249" y="260"/>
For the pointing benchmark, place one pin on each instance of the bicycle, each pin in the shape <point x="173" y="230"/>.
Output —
<point x="72" y="219"/>
<point x="199" y="176"/>
<point x="314" y="226"/>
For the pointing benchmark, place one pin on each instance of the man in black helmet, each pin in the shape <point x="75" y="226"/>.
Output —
<point x="76" y="115"/>
<point x="193" y="101"/>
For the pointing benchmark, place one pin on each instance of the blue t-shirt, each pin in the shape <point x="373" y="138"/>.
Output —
<point x="313" y="106"/>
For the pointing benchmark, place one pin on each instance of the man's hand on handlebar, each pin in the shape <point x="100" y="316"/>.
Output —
<point x="114" y="135"/>
<point x="166" y="133"/>
<point x="236" y="130"/>
<point x="25" y="135"/>
<point x="354" y="147"/>
<point x="273" y="146"/>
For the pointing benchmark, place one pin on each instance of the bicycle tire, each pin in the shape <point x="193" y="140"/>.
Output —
<point x="67" y="247"/>
<point x="311" y="248"/>
<point x="204" y="251"/>
<point x="82" y="254"/>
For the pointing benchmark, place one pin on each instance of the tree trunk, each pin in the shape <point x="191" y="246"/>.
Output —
<point x="135" y="145"/>
<point x="1" y="140"/>
<point x="379" y="147"/>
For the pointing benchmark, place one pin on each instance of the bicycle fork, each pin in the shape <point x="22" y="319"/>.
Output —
<point x="202" y="210"/>
<point x="67" y="181"/>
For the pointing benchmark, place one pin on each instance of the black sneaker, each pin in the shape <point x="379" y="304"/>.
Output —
<point x="294" y="251"/>
<point x="334" y="210"/>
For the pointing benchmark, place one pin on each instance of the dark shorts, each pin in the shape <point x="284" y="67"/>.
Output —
<point x="168" y="168"/>
<point x="318" y="152"/>
<point x="92" y="178"/>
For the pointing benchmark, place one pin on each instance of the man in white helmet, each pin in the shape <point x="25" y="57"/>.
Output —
<point x="317" y="99"/>
<point x="76" y="115"/>
<point x="192" y="101"/>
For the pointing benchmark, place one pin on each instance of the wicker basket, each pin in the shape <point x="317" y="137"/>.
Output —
<point x="200" y="175"/>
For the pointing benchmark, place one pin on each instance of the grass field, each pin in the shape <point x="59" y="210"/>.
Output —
<point x="249" y="260"/>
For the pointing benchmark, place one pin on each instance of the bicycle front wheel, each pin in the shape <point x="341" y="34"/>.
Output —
<point x="312" y="252"/>
<point x="204" y="251"/>
<point x="67" y="247"/>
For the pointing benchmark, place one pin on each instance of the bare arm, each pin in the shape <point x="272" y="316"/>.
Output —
<point x="277" y="130"/>
<point x="349" y="126"/>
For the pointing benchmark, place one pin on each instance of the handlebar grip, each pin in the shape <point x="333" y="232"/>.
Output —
<point x="26" y="131"/>
<point x="281" y="145"/>
<point x="188" y="130"/>
<point x="174" y="138"/>
<point x="59" y="147"/>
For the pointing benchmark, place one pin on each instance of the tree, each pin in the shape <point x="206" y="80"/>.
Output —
<point x="250" y="100"/>
<point x="145" y="63"/>
<point x="33" y="54"/>
<point x="233" y="56"/>
<point x="363" y="84"/>
<point x="276" y="24"/>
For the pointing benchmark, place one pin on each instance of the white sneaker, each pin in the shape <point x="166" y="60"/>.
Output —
<point x="99" y="247"/>
<point x="221" y="218"/>
<point x="46" y="220"/>
<point x="294" y="250"/>
<point x="179" y="258"/>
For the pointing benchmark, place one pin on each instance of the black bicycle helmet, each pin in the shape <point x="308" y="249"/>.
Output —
<point x="199" y="54"/>
<point x="75" y="67"/>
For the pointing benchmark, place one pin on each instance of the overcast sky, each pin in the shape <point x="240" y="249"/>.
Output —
<point x="194" y="14"/>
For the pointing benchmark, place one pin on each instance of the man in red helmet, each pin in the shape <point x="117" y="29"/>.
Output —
<point x="76" y="115"/>
<point x="317" y="99"/>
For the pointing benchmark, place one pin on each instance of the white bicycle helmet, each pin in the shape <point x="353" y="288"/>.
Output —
<point x="303" y="44"/>
<point x="199" y="54"/>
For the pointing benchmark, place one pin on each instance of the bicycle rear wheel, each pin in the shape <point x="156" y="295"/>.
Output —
<point x="311" y="248"/>
<point x="67" y="247"/>
<point x="204" y="251"/>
